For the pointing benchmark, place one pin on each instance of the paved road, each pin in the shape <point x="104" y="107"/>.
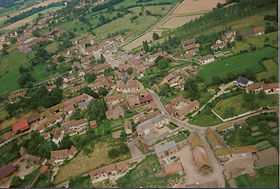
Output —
<point x="197" y="128"/>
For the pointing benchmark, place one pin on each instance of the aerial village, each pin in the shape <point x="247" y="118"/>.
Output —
<point x="116" y="123"/>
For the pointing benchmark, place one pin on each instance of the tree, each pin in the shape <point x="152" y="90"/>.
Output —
<point x="103" y="91"/>
<point x="123" y="136"/>
<point x="96" y="110"/>
<point x="163" y="64"/>
<point x="130" y="71"/>
<point x="90" y="77"/>
<point x="155" y="36"/>
<point x="191" y="89"/>
<point x="102" y="59"/>
<point x="89" y="91"/>
<point x="146" y="46"/>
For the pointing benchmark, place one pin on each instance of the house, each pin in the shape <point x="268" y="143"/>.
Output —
<point x="133" y="100"/>
<point x="75" y="127"/>
<point x="255" y="88"/>
<point x="173" y="79"/>
<point x="102" y="82"/>
<point x="7" y="170"/>
<point x="179" y="107"/>
<point x="267" y="157"/>
<point x="115" y="113"/>
<point x="128" y="127"/>
<point x="57" y="135"/>
<point x="141" y="117"/>
<point x="166" y="149"/>
<point x="226" y="38"/>
<point x="199" y="154"/>
<point x="242" y="82"/>
<point x="131" y="86"/>
<point x="93" y="124"/>
<point x="100" y="68"/>
<point x="59" y="156"/>
<point x="81" y="102"/>
<point x="33" y="118"/>
<point x="108" y="171"/>
<point x="113" y="100"/>
<point x="207" y="59"/>
<point x="271" y="88"/>
<point x="20" y="126"/>
<point x="152" y="130"/>
<point x="191" y="47"/>
<point x="259" y="30"/>
<point x="145" y="98"/>
<point x="267" y="88"/>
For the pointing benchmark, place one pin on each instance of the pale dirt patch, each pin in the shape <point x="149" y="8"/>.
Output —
<point x="176" y="22"/>
<point x="192" y="6"/>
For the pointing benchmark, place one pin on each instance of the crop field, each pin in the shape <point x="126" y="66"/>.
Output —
<point x="271" y="70"/>
<point x="236" y="64"/>
<point x="181" y="14"/>
<point x="266" y="177"/>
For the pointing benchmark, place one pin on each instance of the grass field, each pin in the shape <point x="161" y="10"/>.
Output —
<point x="236" y="64"/>
<point x="271" y="70"/>
<point x="9" y="66"/>
<point x="83" y="163"/>
<point x="266" y="177"/>
<point x="244" y="135"/>
<point x="257" y="41"/>
<point x="146" y="174"/>
<point x="237" y="104"/>
<point x="205" y="118"/>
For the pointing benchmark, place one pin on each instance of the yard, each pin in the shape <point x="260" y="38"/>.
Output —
<point x="205" y="118"/>
<point x="83" y="163"/>
<point x="242" y="103"/>
<point x="147" y="174"/>
<point x="236" y="65"/>
<point x="256" y="131"/>
<point x="266" y="177"/>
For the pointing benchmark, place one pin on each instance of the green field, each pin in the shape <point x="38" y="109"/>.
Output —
<point x="238" y="104"/>
<point x="257" y="41"/>
<point x="9" y="66"/>
<point x="266" y="177"/>
<point x="205" y="118"/>
<point x="244" y="135"/>
<point x="271" y="70"/>
<point x="236" y="65"/>
<point x="146" y="174"/>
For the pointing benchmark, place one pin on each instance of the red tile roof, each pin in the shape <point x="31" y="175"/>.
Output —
<point x="20" y="126"/>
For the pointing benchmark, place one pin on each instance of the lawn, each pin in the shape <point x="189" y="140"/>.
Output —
<point x="241" y="136"/>
<point x="83" y="163"/>
<point x="9" y="66"/>
<point x="146" y="174"/>
<point x="266" y="177"/>
<point x="271" y="70"/>
<point x="239" y="104"/>
<point x="205" y="118"/>
<point x="236" y="65"/>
